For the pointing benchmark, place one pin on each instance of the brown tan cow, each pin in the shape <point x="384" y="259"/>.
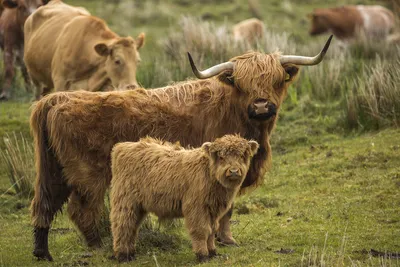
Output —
<point x="81" y="51"/>
<point x="345" y="22"/>
<point x="13" y="14"/>
<point x="171" y="182"/>
<point x="74" y="132"/>
<point x="249" y="30"/>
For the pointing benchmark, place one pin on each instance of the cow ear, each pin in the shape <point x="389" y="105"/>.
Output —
<point x="10" y="3"/>
<point x="102" y="49"/>
<point x="253" y="147"/>
<point x="291" y="71"/>
<point x="140" y="40"/>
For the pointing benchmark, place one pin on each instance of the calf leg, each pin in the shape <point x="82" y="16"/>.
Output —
<point x="48" y="199"/>
<point x="24" y="71"/>
<point x="199" y="231"/>
<point x="126" y="218"/>
<point x="224" y="234"/>
<point x="84" y="209"/>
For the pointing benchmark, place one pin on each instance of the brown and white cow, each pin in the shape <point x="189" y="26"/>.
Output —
<point x="12" y="18"/>
<point x="81" y="51"/>
<point x="346" y="22"/>
<point x="74" y="132"/>
<point x="249" y="30"/>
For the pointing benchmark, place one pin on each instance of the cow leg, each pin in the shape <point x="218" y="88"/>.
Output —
<point x="224" y="234"/>
<point x="126" y="218"/>
<point x="199" y="231"/>
<point x="24" y="71"/>
<point x="9" y="71"/>
<point x="84" y="209"/>
<point x="48" y="200"/>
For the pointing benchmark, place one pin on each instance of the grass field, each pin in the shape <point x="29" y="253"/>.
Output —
<point x="332" y="197"/>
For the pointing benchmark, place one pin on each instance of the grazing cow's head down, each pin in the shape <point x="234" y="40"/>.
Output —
<point x="319" y="24"/>
<point x="24" y="8"/>
<point x="230" y="158"/>
<point x="261" y="80"/>
<point x="122" y="60"/>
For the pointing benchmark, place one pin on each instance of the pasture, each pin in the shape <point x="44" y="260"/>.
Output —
<point x="332" y="196"/>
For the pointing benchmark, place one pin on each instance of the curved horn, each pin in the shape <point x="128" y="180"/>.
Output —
<point x="208" y="73"/>
<point x="307" y="61"/>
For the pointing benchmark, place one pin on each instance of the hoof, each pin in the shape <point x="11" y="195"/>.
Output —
<point x="202" y="258"/>
<point x="4" y="97"/>
<point x="124" y="257"/>
<point x="212" y="253"/>
<point x="227" y="242"/>
<point x="42" y="255"/>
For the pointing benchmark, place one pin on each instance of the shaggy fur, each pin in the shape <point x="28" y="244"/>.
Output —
<point x="346" y="22"/>
<point x="13" y="14"/>
<point x="165" y="179"/>
<point x="97" y="58"/>
<point x="74" y="133"/>
<point x="250" y="30"/>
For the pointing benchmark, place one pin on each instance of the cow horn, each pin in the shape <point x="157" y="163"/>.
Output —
<point x="208" y="73"/>
<point x="299" y="60"/>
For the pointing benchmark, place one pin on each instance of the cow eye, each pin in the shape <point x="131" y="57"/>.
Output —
<point x="117" y="62"/>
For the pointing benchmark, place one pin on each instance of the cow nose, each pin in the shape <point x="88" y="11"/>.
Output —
<point x="233" y="172"/>
<point x="264" y="107"/>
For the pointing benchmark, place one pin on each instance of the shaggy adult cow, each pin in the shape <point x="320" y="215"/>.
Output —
<point x="13" y="14"/>
<point x="81" y="51"/>
<point x="74" y="132"/>
<point x="250" y="30"/>
<point x="346" y="22"/>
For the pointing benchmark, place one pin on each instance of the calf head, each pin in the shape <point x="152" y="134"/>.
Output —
<point x="122" y="59"/>
<point x="230" y="158"/>
<point x="23" y="7"/>
<point x="260" y="80"/>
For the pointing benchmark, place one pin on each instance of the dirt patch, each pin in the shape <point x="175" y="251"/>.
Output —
<point x="376" y="253"/>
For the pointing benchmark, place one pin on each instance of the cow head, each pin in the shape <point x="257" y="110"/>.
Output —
<point x="24" y="8"/>
<point x="230" y="158"/>
<point x="122" y="59"/>
<point x="319" y="23"/>
<point x="260" y="80"/>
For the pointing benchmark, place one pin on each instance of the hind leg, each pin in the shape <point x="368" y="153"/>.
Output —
<point x="85" y="209"/>
<point x="48" y="200"/>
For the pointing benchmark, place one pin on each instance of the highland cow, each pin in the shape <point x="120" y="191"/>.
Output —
<point x="81" y="51"/>
<point x="74" y="132"/>
<point x="351" y="22"/>
<point x="249" y="30"/>
<point x="163" y="178"/>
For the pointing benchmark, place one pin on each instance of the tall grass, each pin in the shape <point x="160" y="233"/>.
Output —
<point x="18" y="157"/>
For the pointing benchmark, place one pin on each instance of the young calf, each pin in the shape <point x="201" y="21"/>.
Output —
<point x="170" y="181"/>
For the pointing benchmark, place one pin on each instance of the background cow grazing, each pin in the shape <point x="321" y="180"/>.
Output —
<point x="249" y="30"/>
<point x="163" y="178"/>
<point x="74" y="132"/>
<point x="347" y="22"/>
<point x="13" y="14"/>
<point x="82" y="52"/>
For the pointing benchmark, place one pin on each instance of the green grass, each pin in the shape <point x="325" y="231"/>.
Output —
<point x="328" y="200"/>
<point x="333" y="192"/>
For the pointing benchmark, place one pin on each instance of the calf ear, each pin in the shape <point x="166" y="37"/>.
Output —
<point x="10" y="3"/>
<point x="206" y="147"/>
<point x="253" y="147"/>
<point x="102" y="49"/>
<point x="140" y="41"/>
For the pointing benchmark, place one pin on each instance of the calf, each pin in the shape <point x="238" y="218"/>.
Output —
<point x="13" y="16"/>
<point x="160" y="177"/>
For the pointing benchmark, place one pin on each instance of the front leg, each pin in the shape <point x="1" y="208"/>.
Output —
<point x="199" y="231"/>
<point x="224" y="234"/>
<point x="212" y="252"/>
<point x="9" y="72"/>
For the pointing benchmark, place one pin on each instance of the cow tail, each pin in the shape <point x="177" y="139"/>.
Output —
<point x="48" y="170"/>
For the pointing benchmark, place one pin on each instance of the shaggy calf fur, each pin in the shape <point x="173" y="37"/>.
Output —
<point x="163" y="178"/>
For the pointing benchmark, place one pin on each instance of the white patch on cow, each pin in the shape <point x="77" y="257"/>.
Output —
<point x="366" y="17"/>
